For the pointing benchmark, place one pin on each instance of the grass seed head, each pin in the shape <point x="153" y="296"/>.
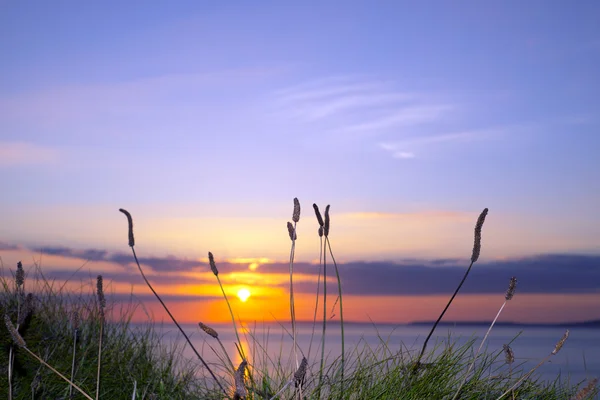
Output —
<point x="583" y="393"/>
<point x="326" y="224"/>
<point x="213" y="266"/>
<point x="19" y="275"/>
<point x="240" y="387"/>
<point x="75" y="320"/>
<point x="130" y="226"/>
<point x="477" y="244"/>
<point x="508" y="354"/>
<point x="318" y="214"/>
<point x="301" y="372"/>
<point x="511" y="288"/>
<point x="16" y="337"/>
<point x="561" y="342"/>
<point x="291" y="231"/>
<point x="296" y="214"/>
<point x="210" y="331"/>
<point x="100" y="293"/>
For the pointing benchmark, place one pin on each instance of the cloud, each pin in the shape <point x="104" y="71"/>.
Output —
<point x="404" y="147"/>
<point x="7" y="247"/>
<point x="345" y="103"/>
<point x="403" y="116"/>
<point x="20" y="153"/>
<point x="403" y="154"/>
<point x="540" y="274"/>
<point x="550" y="273"/>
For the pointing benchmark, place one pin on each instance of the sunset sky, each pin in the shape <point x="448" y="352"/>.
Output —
<point x="206" y="119"/>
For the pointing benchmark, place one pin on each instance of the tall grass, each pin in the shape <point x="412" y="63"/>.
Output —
<point x="52" y="333"/>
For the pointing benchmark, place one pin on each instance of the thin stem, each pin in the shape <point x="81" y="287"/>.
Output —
<point x="317" y="297"/>
<point x="292" y="304"/>
<point x="341" y="309"/>
<point x="177" y="324"/>
<point x="99" y="357"/>
<point x="324" y="318"/>
<point x="418" y="362"/>
<point x="73" y="362"/>
<point x="240" y="348"/>
<point x="478" y="350"/>
<point x="525" y="377"/>
<point x="57" y="373"/>
<point x="10" y="364"/>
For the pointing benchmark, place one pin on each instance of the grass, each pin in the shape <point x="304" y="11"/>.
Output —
<point x="75" y="345"/>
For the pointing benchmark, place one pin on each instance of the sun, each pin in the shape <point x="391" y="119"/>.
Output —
<point x="243" y="294"/>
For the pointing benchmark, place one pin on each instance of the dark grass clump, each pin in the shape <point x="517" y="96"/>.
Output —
<point x="132" y="355"/>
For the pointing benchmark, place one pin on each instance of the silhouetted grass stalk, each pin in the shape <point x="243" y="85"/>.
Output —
<point x="19" y="290"/>
<point x="509" y="295"/>
<point x="213" y="333"/>
<point x="341" y="307"/>
<point x="132" y="244"/>
<point x="325" y="233"/>
<point x="474" y="258"/>
<point x="101" y="306"/>
<point x="321" y="246"/>
<point x="213" y="267"/>
<point x="293" y="236"/>
<point x="75" y="325"/>
<point x="557" y="348"/>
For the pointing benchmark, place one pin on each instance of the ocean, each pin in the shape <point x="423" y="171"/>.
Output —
<point x="579" y="359"/>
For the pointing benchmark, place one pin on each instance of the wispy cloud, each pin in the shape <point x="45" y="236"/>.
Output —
<point x="406" y="147"/>
<point x="352" y="104"/>
<point x="20" y="153"/>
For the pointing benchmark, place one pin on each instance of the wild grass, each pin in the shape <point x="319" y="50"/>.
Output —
<point x="76" y="345"/>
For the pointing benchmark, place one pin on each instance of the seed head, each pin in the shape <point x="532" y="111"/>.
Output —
<point x="240" y="387"/>
<point x="583" y="393"/>
<point x="508" y="354"/>
<point x="210" y="331"/>
<point x="213" y="266"/>
<point x="561" y="342"/>
<point x="292" y="231"/>
<point x="511" y="288"/>
<point x="13" y="332"/>
<point x="75" y="320"/>
<point x="300" y="373"/>
<point x="326" y="224"/>
<point x="477" y="244"/>
<point x="296" y="214"/>
<point x="130" y="226"/>
<point x="318" y="214"/>
<point x="100" y="293"/>
<point x="19" y="275"/>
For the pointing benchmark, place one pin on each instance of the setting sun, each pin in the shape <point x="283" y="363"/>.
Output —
<point x="243" y="294"/>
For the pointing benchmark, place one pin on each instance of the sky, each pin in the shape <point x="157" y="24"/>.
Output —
<point x="206" y="119"/>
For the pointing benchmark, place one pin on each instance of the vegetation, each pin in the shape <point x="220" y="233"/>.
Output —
<point x="61" y="345"/>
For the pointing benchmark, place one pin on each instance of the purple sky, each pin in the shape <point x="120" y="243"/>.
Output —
<point x="205" y="120"/>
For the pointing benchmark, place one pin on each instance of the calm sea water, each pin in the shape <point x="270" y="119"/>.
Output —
<point x="578" y="359"/>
